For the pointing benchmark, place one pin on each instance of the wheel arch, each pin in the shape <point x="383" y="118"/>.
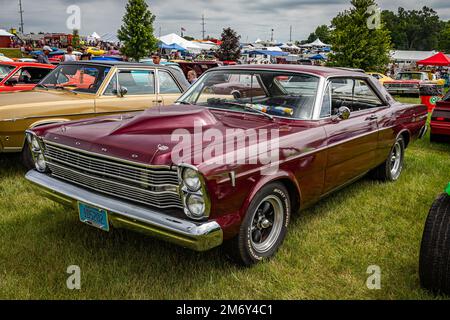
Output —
<point x="406" y="135"/>
<point x="287" y="179"/>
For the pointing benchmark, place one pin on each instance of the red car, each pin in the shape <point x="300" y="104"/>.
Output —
<point x="440" y="121"/>
<point x="218" y="168"/>
<point x="22" y="76"/>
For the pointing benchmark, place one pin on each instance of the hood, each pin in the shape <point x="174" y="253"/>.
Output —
<point x="24" y="103"/>
<point x="148" y="137"/>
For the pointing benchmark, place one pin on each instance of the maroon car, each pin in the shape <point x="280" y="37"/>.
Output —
<point x="440" y="121"/>
<point x="217" y="168"/>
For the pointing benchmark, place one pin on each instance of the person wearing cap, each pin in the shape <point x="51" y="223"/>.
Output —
<point x="43" y="57"/>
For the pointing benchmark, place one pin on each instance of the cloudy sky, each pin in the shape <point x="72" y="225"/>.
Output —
<point x="251" y="18"/>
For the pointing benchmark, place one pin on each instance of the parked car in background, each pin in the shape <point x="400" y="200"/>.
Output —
<point x="84" y="89"/>
<point x="408" y="83"/>
<point x="128" y="171"/>
<point x="380" y="77"/>
<point x="22" y="76"/>
<point x="440" y="121"/>
<point x="198" y="66"/>
<point x="435" y="249"/>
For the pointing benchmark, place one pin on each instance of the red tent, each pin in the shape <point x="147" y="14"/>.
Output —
<point x="438" y="59"/>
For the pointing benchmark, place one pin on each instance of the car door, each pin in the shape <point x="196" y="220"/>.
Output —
<point x="168" y="88"/>
<point x="128" y="90"/>
<point x="352" y="143"/>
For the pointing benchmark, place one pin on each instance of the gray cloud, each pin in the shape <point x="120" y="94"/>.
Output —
<point x="251" y="18"/>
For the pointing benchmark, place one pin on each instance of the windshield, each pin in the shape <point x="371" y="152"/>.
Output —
<point x="79" y="78"/>
<point x="409" y="76"/>
<point x="5" y="70"/>
<point x="274" y="93"/>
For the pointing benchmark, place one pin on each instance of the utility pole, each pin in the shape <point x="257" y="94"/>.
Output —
<point x="290" y="34"/>
<point x="271" y="35"/>
<point x="203" y="26"/>
<point x="21" y="16"/>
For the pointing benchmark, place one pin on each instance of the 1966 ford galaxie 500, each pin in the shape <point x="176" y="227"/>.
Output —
<point x="84" y="89"/>
<point x="228" y="168"/>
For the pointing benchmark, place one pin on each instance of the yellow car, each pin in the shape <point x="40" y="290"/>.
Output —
<point x="95" y="51"/>
<point x="85" y="89"/>
<point x="380" y="77"/>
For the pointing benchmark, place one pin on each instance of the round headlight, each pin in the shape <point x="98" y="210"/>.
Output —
<point x="191" y="179"/>
<point x="35" y="144"/>
<point x="196" y="205"/>
<point x="40" y="163"/>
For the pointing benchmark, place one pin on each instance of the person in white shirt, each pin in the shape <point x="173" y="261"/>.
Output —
<point x="69" y="56"/>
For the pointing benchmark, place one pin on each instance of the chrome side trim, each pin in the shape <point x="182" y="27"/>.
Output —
<point x="192" y="235"/>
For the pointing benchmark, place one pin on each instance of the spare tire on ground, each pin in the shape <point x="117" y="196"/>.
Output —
<point x="434" y="265"/>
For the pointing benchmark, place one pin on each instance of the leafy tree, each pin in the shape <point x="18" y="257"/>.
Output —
<point x="413" y="29"/>
<point x="444" y="39"/>
<point x="355" y="45"/>
<point x="322" y="32"/>
<point x="230" y="49"/>
<point x="75" y="39"/>
<point x="188" y="38"/>
<point x="136" y="33"/>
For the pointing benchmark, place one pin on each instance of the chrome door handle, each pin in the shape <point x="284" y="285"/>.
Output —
<point x="372" y="117"/>
<point x="158" y="101"/>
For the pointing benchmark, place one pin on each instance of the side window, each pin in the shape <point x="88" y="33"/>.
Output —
<point x="365" y="97"/>
<point x="326" y="103"/>
<point x="167" y="84"/>
<point x="111" y="89"/>
<point x="355" y="94"/>
<point x="137" y="82"/>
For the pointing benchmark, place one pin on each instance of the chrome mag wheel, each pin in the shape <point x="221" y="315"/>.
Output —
<point x="396" y="163"/>
<point x="267" y="223"/>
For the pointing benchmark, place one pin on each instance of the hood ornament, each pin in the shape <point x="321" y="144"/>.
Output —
<point x="162" y="147"/>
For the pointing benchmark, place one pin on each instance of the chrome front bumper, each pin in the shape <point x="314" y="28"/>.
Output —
<point x="121" y="214"/>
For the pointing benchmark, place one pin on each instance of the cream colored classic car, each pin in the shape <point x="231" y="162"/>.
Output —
<point x="85" y="89"/>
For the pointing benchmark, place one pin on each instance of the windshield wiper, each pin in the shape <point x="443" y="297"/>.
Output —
<point x="247" y="107"/>
<point x="185" y="103"/>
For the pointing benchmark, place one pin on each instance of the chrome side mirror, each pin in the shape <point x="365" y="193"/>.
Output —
<point x="343" y="113"/>
<point x="122" y="92"/>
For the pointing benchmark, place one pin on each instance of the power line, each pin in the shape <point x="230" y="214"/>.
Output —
<point x="21" y="16"/>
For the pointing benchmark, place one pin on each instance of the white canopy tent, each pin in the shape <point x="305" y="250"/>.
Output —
<point x="316" y="43"/>
<point x="188" y="45"/>
<point x="94" y="37"/>
<point x="4" y="33"/>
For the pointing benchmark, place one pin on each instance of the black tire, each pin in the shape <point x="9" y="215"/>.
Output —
<point x="27" y="158"/>
<point x="434" y="263"/>
<point x="385" y="171"/>
<point x="242" y="249"/>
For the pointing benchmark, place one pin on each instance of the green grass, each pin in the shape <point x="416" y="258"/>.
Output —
<point x="325" y="255"/>
<point x="11" y="53"/>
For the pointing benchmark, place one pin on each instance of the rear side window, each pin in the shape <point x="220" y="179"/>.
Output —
<point x="356" y="94"/>
<point x="167" y="84"/>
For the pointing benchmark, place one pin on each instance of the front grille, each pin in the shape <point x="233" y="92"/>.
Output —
<point x="151" y="186"/>
<point x="401" y="85"/>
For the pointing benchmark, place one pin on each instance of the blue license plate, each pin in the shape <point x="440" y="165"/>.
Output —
<point x="94" y="217"/>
